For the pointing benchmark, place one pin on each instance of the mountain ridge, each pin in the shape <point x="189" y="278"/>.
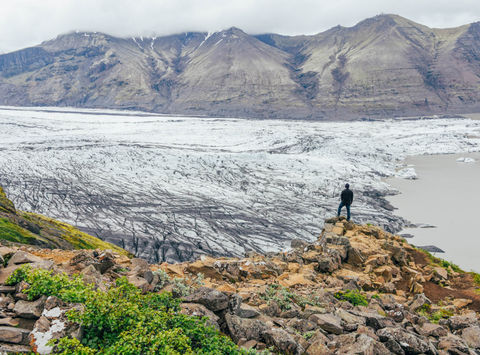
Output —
<point x="385" y="65"/>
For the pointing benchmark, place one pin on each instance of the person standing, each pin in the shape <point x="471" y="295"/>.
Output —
<point x="347" y="198"/>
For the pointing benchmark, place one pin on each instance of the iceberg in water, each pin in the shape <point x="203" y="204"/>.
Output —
<point x="406" y="173"/>
<point x="466" y="160"/>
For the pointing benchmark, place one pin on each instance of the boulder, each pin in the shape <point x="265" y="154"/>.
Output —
<point x="328" y="322"/>
<point x="31" y="310"/>
<point x="250" y="329"/>
<point x="471" y="336"/>
<point x="349" y="319"/>
<point x="398" y="253"/>
<point x="7" y="289"/>
<point x="199" y="310"/>
<point x="355" y="257"/>
<point x="388" y="287"/>
<point x="139" y="282"/>
<point x="7" y="302"/>
<point x="298" y="243"/>
<point x="362" y="345"/>
<point x="247" y="311"/>
<point x="149" y="276"/>
<point x="461" y="302"/>
<point x="453" y="344"/>
<point x="247" y="344"/>
<point x="375" y="320"/>
<point x="338" y="230"/>
<point x="311" y="256"/>
<point x="21" y="257"/>
<point x="302" y="325"/>
<point x="206" y="266"/>
<point x="464" y="321"/>
<point x="309" y="310"/>
<point x="430" y="329"/>
<point x="105" y="262"/>
<point x="234" y="302"/>
<point x="212" y="299"/>
<point x="91" y="275"/>
<point x="282" y="341"/>
<point x="419" y="301"/>
<point x="82" y="259"/>
<point x="272" y="309"/>
<point x="12" y="322"/>
<point x="327" y="264"/>
<point x="139" y="263"/>
<point x="440" y="273"/>
<point x="318" y="348"/>
<point x="295" y="279"/>
<point x="410" y="343"/>
<point x="334" y="239"/>
<point x="14" y="335"/>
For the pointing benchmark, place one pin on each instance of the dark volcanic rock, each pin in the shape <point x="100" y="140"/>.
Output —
<point x="212" y="299"/>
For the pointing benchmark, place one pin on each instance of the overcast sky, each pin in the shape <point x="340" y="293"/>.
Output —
<point x="28" y="22"/>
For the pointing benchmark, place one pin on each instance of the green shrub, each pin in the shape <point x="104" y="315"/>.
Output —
<point x="354" y="297"/>
<point x="18" y="275"/>
<point x="44" y="282"/>
<point x="122" y="320"/>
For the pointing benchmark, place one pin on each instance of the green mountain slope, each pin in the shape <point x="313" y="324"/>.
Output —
<point x="34" y="229"/>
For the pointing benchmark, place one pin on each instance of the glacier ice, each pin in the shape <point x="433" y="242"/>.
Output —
<point x="175" y="188"/>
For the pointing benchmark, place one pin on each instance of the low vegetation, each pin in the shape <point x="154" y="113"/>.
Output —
<point x="285" y="298"/>
<point x="14" y="233"/>
<point x="35" y="229"/>
<point x="75" y="237"/>
<point x="352" y="296"/>
<point x="440" y="262"/>
<point x="122" y="320"/>
<point x="434" y="316"/>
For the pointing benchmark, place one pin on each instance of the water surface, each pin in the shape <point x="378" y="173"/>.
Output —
<point x="446" y="195"/>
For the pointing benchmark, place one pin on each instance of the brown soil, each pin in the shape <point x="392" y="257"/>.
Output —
<point x="463" y="287"/>
<point x="418" y="257"/>
<point x="57" y="257"/>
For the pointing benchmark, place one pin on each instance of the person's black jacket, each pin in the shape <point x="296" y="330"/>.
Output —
<point x="347" y="197"/>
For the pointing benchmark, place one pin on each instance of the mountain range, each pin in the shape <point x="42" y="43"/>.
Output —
<point x="385" y="65"/>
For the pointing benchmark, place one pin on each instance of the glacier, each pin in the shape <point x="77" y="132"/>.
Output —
<point x="173" y="188"/>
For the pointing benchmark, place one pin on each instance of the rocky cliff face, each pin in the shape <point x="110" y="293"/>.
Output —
<point x="386" y="65"/>
<point x="357" y="290"/>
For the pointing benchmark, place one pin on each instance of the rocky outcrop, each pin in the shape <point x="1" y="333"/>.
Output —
<point x="285" y="301"/>
<point x="386" y="65"/>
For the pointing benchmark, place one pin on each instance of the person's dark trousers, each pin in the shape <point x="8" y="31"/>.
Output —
<point x="340" y="209"/>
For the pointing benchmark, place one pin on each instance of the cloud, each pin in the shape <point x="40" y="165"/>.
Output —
<point x="29" y="22"/>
